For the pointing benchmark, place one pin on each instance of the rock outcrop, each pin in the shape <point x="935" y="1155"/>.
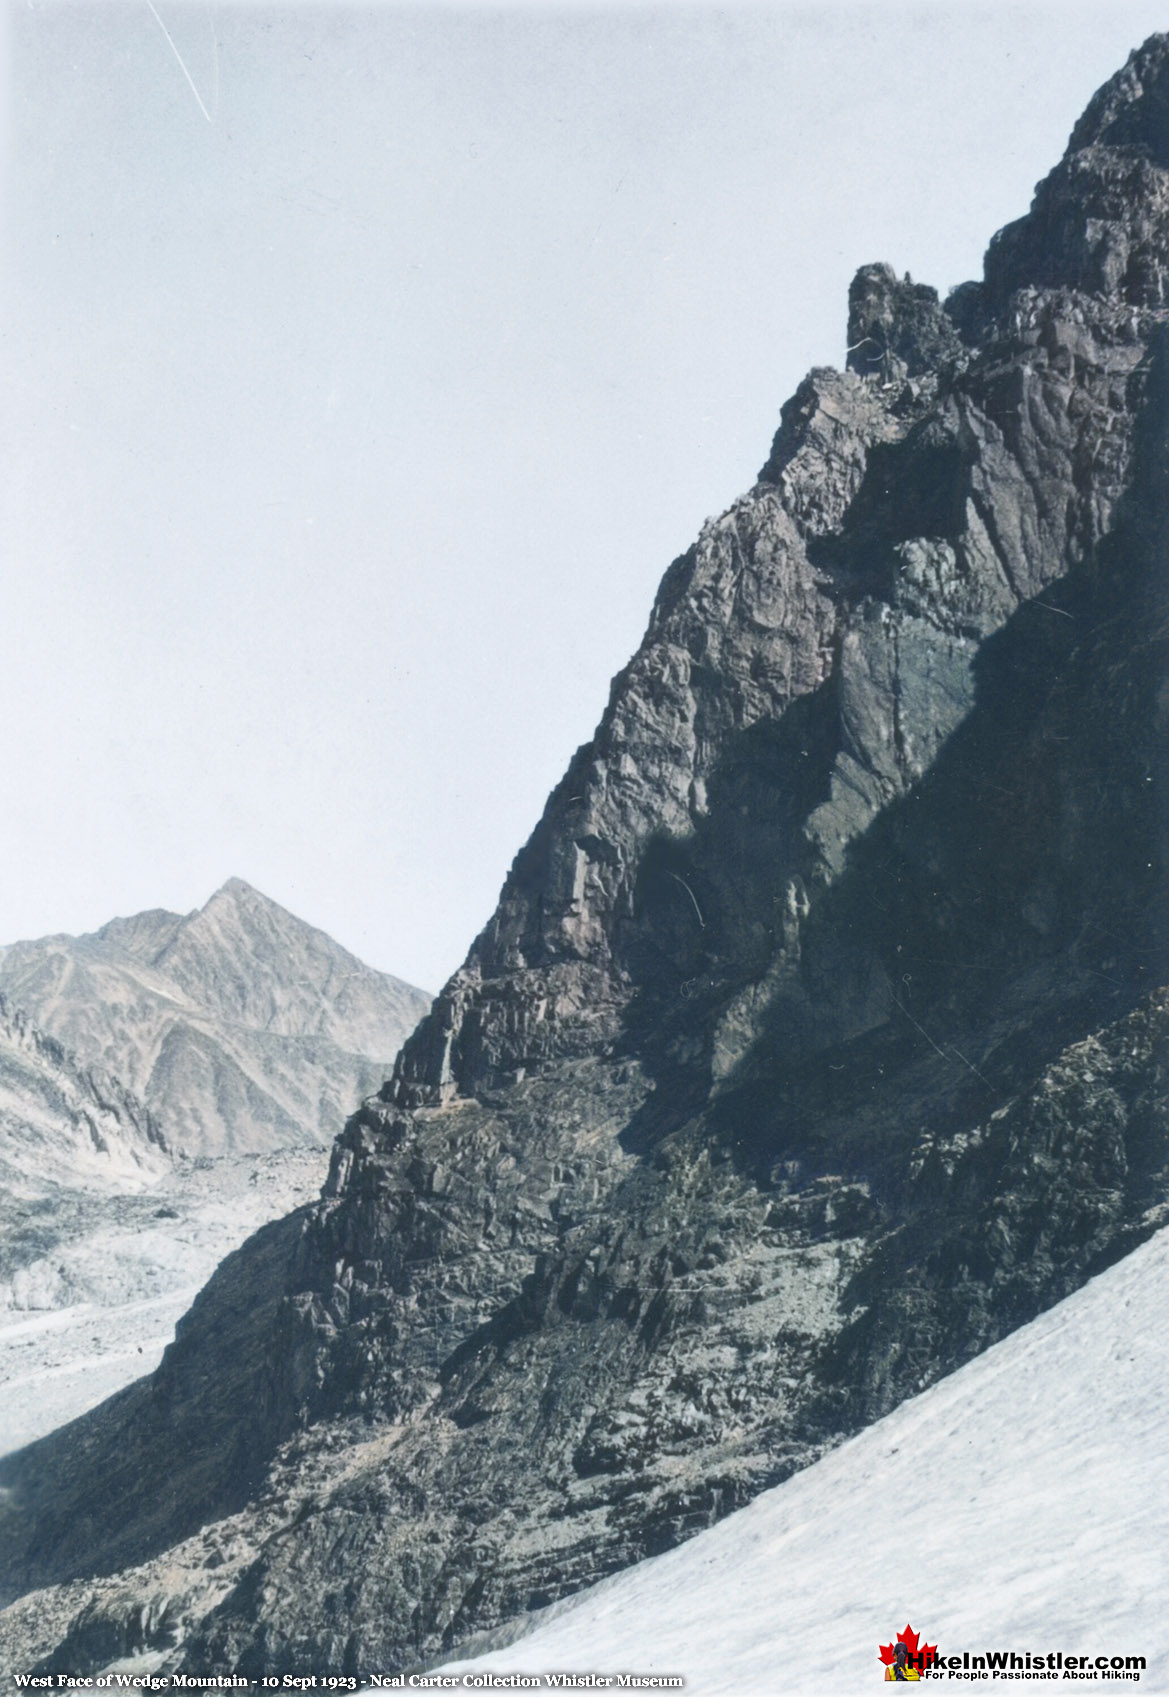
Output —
<point x="817" y="1042"/>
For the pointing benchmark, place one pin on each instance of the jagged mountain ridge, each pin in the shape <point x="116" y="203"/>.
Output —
<point x="816" y="1043"/>
<point x="242" y="1028"/>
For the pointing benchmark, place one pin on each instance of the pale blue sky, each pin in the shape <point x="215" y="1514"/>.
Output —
<point x="349" y="433"/>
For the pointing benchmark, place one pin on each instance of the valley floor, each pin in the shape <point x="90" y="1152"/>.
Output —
<point x="91" y="1303"/>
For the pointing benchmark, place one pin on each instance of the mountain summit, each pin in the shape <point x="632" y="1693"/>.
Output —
<point x="817" y="1041"/>
<point x="241" y="1027"/>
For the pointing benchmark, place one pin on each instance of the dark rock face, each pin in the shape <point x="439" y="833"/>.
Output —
<point x="1098" y="221"/>
<point x="897" y="329"/>
<point x="817" y="1041"/>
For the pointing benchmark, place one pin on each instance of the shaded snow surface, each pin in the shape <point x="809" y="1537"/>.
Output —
<point x="1021" y="1504"/>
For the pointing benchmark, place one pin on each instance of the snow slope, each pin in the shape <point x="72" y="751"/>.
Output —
<point x="54" y="1366"/>
<point x="1021" y="1504"/>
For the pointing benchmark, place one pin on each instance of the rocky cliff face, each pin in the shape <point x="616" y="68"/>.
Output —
<point x="816" y="1043"/>
<point x="242" y="1028"/>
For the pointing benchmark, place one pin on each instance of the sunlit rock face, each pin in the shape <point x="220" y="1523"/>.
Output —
<point x="65" y="1123"/>
<point x="816" y="1043"/>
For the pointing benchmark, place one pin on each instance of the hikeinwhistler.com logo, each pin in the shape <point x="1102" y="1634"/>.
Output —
<point x="908" y="1657"/>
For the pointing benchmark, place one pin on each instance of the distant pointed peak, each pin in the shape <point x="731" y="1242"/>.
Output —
<point x="237" y="892"/>
<point x="234" y="897"/>
<point x="236" y="887"/>
<point x="253" y="905"/>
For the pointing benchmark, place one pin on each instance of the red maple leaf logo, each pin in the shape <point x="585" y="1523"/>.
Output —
<point x="909" y="1638"/>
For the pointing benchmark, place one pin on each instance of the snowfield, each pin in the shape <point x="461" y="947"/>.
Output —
<point x="1022" y="1504"/>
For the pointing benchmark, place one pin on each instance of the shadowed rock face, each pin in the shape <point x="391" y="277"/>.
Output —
<point x="897" y="329"/>
<point x="817" y="1040"/>
<point x="1098" y="221"/>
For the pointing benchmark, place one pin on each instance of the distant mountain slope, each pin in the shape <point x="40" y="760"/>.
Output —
<point x="251" y="1034"/>
<point x="986" y="1512"/>
<point x="62" y="1122"/>
<point x="241" y="1027"/>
